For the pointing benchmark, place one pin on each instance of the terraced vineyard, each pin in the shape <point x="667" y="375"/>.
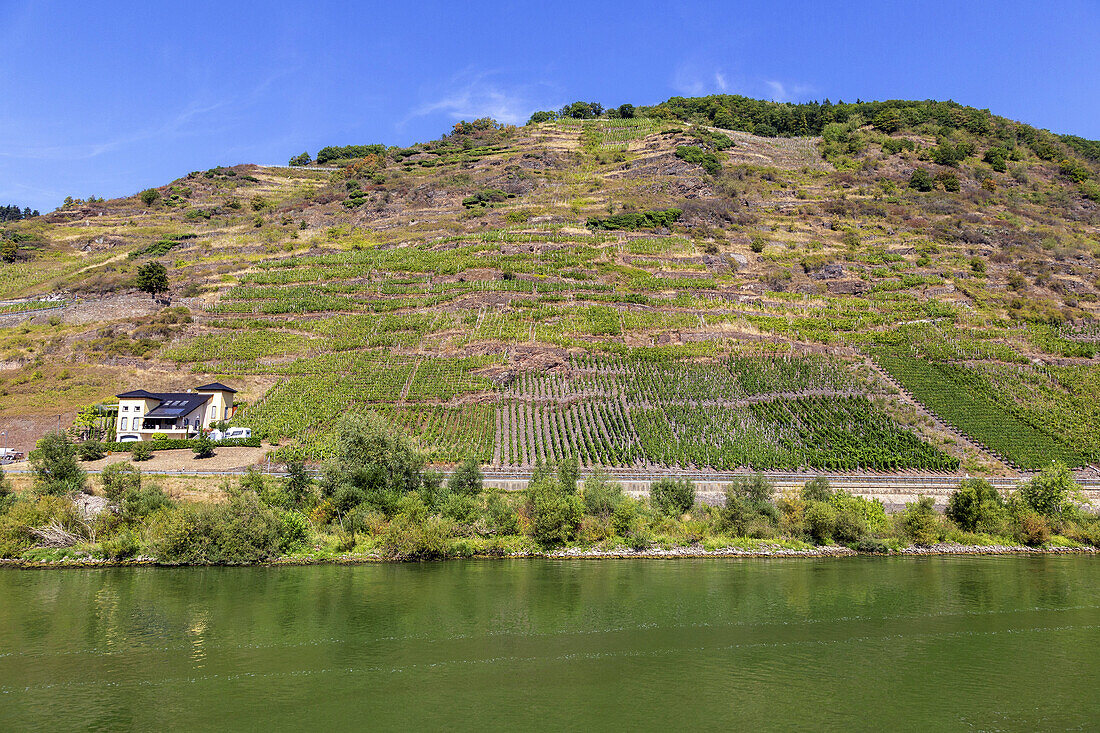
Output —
<point x="648" y="292"/>
<point x="804" y="412"/>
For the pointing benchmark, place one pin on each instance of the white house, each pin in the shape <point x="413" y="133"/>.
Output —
<point x="175" y="414"/>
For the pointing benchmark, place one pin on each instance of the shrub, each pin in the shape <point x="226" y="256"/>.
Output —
<point x="467" y="479"/>
<point x="301" y="159"/>
<point x="299" y="484"/>
<point x="849" y="526"/>
<point x="240" y="531"/>
<point x="672" y="497"/>
<point x="554" y="512"/>
<point x="920" y="522"/>
<point x="697" y="156"/>
<point x="294" y="531"/>
<point x="90" y="450"/>
<point x="1034" y="529"/>
<point x="601" y="494"/>
<point x="625" y="516"/>
<point x="871" y="545"/>
<point x="141" y="451"/>
<point x="410" y="538"/>
<point x="921" y="180"/>
<point x="817" y="489"/>
<point x="118" y="479"/>
<point x="370" y="465"/>
<point x="149" y="196"/>
<point x="203" y="446"/>
<point x="975" y="506"/>
<point x="462" y="508"/>
<point x="636" y="220"/>
<point x="502" y="518"/>
<point x="1051" y="492"/>
<point x="820" y="521"/>
<point x="56" y="470"/>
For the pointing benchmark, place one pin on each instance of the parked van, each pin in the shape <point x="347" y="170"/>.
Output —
<point x="238" y="433"/>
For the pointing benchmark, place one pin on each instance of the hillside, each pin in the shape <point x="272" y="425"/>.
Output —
<point x="898" y="286"/>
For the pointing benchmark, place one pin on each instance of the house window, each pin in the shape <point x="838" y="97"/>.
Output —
<point x="124" y="421"/>
<point x="137" y="408"/>
<point x="125" y="408"/>
<point x="137" y="424"/>
<point x="227" y="413"/>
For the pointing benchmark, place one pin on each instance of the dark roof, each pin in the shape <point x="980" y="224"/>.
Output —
<point x="135" y="394"/>
<point x="176" y="404"/>
<point x="214" y="387"/>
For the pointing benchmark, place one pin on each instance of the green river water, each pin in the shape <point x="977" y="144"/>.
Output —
<point x="938" y="643"/>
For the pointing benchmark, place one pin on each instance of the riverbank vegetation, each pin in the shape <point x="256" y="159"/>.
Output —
<point x="376" y="497"/>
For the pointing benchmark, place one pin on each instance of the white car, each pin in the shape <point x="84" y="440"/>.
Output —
<point x="237" y="433"/>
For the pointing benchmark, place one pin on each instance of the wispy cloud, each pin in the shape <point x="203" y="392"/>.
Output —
<point x="787" y="92"/>
<point x="196" y="117"/>
<point x="693" y="81"/>
<point x="469" y="95"/>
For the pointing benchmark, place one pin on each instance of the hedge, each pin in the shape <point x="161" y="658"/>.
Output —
<point x="177" y="443"/>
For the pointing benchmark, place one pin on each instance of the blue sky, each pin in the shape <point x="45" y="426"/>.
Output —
<point x="108" y="98"/>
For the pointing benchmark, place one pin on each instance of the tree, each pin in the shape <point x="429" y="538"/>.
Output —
<point x="1051" y="492"/>
<point x="299" y="484"/>
<point x="542" y="116"/>
<point x="975" y="505"/>
<point x="370" y="466"/>
<point x="467" y="480"/>
<point x="56" y="470"/>
<point x="671" y="497"/>
<point x="554" y="512"/>
<point x="921" y="180"/>
<point x="303" y="159"/>
<point x="9" y="249"/>
<point x="152" y="278"/>
<point x="149" y="196"/>
<point x="626" y="111"/>
<point x="602" y="495"/>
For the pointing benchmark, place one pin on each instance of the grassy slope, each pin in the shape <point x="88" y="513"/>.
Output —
<point x="396" y="297"/>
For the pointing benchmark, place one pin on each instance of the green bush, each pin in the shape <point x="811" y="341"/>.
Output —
<point x="697" y="156"/>
<point x="118" y="479"/>
<point x="1051" y="493"/>
<point x="202" y="446"/>
<point x="467" y="479"/>
<point x="1033" y="529"/>
<point x="554" y="512"/>
<point x="142" y="451"/>
<point x="921" y="180"/>
<point x="976" y="506"/>
<point x="90" y="450"/>
<point x="462" y="508"/>
<point x="920" y="523"/>
<point x="817" y="489"/>
<point x="240" y="531"/>
<point x="409" y="537"/>
<point x="370" y="465"/>
<point x="672" y="497"/>
<point x="56" y="470"/>
<point x="820" y="521"/>
<point x="636" y="220"/>
<point x="601" y="494"/>
<point x="294" y="532"/>
<point x="501" y="516"/>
